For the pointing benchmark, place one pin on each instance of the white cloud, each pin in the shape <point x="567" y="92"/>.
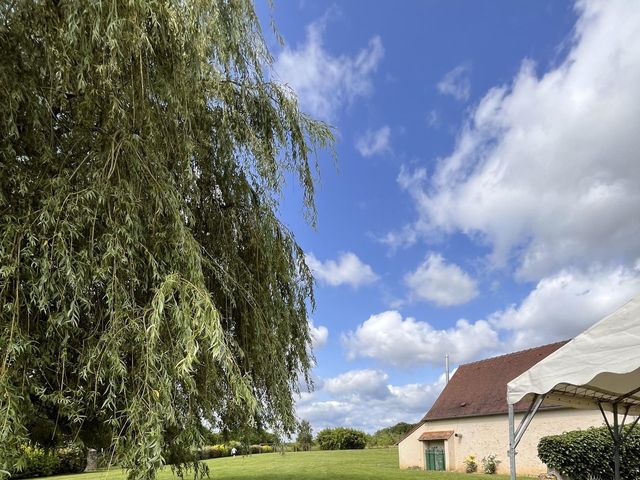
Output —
<point x="405" y="237"/>
<point x="565" y="304"/>
<point x="560" y="307"/>
<point x="398" y="341"/>
<point x="374" y="142"/>
<point x="457" y="83"/>
<point x="545" y="170"/>
<point x="348" y="269"/>
<point x="319" y="335"/>
<point x="441" y="283"/>
<point x="323" y="82"/>
<point x="359" y="384"/>
<point x="375" y="404"/>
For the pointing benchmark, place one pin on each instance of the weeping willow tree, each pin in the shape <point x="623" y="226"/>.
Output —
<point x="147" y="287"/>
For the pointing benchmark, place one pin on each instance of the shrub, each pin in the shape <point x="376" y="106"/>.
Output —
<point x="490" y="464"/>
<point x="584" y="454"/>
<point x="326" y="439"/>
<point x="341" y="439"/>
<point x="73" y="459"/>
<point x="37" y="463"/>
<point x="240" y="448"/>
<point x="253" y="449"/>
<point x="206" y="452"/>
<point x="470" y="464"/>
<point x="214" y="451"/>
<point x="217" y="451"/>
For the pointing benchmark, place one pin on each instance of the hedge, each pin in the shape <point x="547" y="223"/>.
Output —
<point x="587" y="454"/>
<point x="214" y="451"/>
<point x="38" y="462"/>
<point x="217" y="451"/>
<point x="341" y="439"/>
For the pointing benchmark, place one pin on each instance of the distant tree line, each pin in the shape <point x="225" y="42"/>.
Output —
<point x="248" y="436"/>
<point x="389" y="436"/>
<point x="342" y="438"/>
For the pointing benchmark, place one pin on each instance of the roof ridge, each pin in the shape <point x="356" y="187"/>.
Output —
<point x="513" y="353"/>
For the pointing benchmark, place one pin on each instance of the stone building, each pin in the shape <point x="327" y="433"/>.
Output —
<point x="470" y="418"/>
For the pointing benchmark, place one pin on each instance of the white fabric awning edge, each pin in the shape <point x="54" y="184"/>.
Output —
<point x="605" y="355"/>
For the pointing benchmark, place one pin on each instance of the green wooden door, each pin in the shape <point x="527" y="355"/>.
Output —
<point x="434" y="458"/>
<point x="429" y="461"/>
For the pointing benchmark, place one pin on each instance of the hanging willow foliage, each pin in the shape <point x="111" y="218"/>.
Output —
<point x="147" y="288"/>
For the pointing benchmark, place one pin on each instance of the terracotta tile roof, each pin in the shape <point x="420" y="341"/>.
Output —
<point x="442" y="435"/>
<point x="480" y="388"/>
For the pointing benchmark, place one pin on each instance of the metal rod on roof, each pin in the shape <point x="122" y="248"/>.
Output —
<point x="446" y="367"/>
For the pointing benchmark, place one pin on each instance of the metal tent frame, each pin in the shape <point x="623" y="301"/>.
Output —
<point x="584" y="397"/>
<point x="597" y="370"/>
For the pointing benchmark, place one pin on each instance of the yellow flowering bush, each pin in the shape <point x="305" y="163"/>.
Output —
<point x="470" y="464"/>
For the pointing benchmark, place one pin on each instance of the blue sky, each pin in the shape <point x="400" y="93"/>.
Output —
<point x="485" y="197"/>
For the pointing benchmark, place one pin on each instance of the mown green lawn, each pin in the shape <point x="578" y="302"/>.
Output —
<point x="379" y="464"/>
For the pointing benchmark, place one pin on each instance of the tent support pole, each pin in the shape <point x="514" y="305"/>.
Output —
<point x="631" y="427"/>
<point x="615" y="431"/>
<point x="515" y="435"/>
<point x="512" y="441"/>
<point x="628" y="394"/>
<point x="526" y="420"/>
<point x="616" y="443"/>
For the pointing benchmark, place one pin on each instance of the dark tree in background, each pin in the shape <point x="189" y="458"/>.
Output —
<point x="147" y="288"/>
<point x="305" y="436"/>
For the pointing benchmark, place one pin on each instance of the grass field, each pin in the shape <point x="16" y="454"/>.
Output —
<point x="379" y="464"/>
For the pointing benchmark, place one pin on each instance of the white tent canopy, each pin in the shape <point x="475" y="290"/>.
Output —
<point x="603" y="361"/>
<point x="599" y="369"/>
